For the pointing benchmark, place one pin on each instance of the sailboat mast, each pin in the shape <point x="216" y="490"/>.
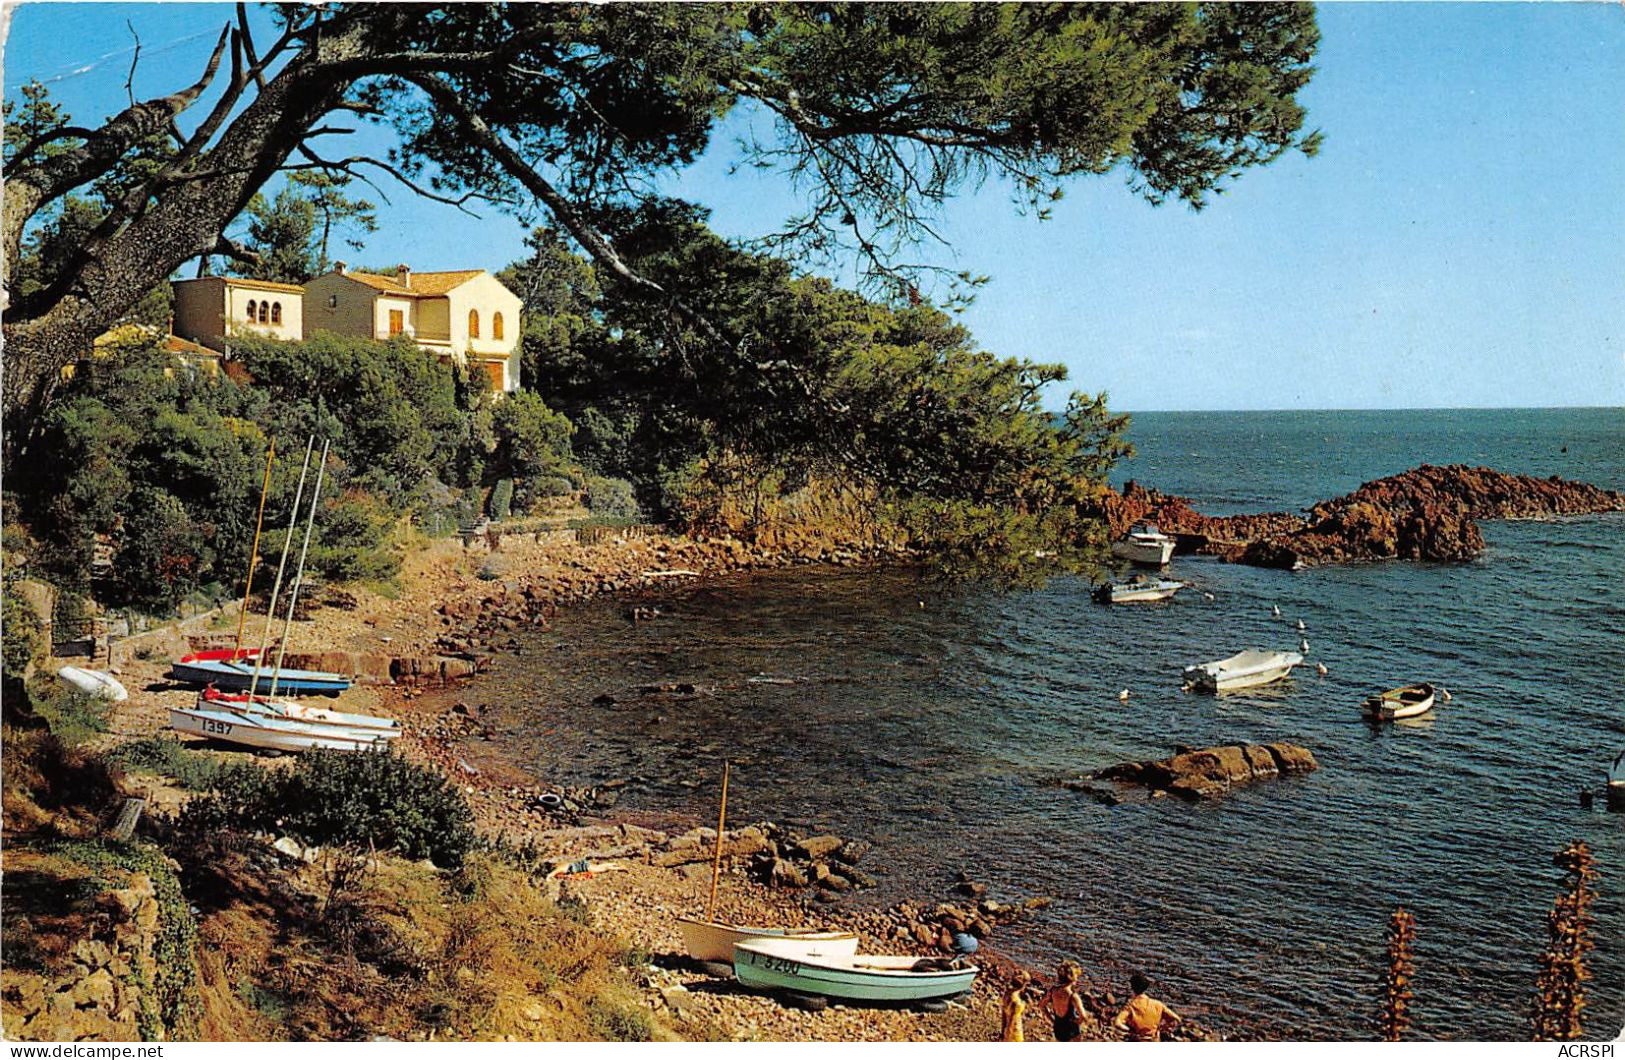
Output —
<point x="254" y="551"/>
<point x="716" y="862"/>
<point x="299" y="572"/>
<point x="276" y="587"/>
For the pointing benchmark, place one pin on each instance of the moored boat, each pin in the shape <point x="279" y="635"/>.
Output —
<point x="710" y="941"/>
<point x="270" y="732"/>
<point x="779" y="964"/>
<point x="95" y="683"/>
<point x="1406" y="702"/>
<point x="1136" y="590"/>
<point x="1144" y="544"/>
<point x="1245" y="669"/>
<point x="385" y="728"/>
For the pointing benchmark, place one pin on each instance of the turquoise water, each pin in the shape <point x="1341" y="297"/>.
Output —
<point x="937" y="723"/>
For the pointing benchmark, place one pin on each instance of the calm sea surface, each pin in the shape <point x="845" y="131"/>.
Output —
<point x="937" y="724"/>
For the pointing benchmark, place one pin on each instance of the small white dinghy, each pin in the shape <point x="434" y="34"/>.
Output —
<point x="1405" y="702"/>
<point x="711" y="941"/>
<point x="1136" y="591"/>
<point x="384" y="728"/>
<point x="776" y="964"/>
<point x="269" y="732"/>
<point x="1245" y="669"/>
<point x="1616" y="774"/>
<point x="95" y="683"/>
<point x="1144" y="544"/>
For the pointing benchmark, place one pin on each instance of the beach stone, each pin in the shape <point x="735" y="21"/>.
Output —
<point x="787" y="874"/>
<point x="817" y="847"/>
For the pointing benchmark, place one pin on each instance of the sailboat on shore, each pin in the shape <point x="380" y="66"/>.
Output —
<point x="264" y="721"/>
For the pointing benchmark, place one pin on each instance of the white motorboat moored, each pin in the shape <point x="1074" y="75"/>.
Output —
<point x="1145" y="544"/>
<point x="1136" y="590"/>
<point x="1245" y="669"/>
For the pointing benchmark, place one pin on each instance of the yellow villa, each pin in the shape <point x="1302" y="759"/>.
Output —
<point x="212" y="309"/>
<point x="466" y="316"/>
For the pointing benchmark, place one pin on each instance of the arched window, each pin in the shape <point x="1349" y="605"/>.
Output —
<point x="276" y="312"/>
<point x="496" y="326"/>
<point x="473" y="323"/>
<point x="265" y="312"/>
<point x="251" y="305"/>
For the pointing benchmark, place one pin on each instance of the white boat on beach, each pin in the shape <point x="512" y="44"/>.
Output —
<point x="708" y="940"/>
<point x="1144" y="544"/>
<point x="1136" y="590"/>
<point x="1616" y="773"/>
<point x="95" y="683"/>
<point x="1245" y="669"/>
<point x="1395" y="703"/>
<point x="268" y="732"/>
<point x="384" y="728"/>
<point x="774" y="964"/>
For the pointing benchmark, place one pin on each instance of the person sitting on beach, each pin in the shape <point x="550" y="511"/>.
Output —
<point x="1064" y="1007"/>
<point x="1143" y="1017"/>
<point x="1014" y="1009"/>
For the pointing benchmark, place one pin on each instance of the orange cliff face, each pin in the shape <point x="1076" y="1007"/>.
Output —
<point x="1426" y="513"/>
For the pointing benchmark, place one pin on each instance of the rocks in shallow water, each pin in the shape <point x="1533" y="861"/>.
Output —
<point x="1209" y="772"/>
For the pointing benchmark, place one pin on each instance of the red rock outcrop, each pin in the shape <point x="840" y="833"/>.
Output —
<point x="1212" y="771"/>
<point x="1426" y="513"/>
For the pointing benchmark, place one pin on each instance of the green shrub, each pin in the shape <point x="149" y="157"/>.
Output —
<point x="169" y="1006"/>
<point x="21" y="632"/>
<point x="612" y="497"/>
<point x="162" y="552"/>
<point x="73" y="716"/>
<point x="619" y="1023"/>
<point x="501" y="505"/>
<point x="193" y="770"/>
<point x="548" y="486"/>
<point x="374" y="799"/>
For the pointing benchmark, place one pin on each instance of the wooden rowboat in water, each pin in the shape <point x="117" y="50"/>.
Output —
<point x="1405" y="702"/>
<point x="778" y="964"/>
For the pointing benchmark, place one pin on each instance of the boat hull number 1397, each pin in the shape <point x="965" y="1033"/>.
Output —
<point x="218" y="728"/>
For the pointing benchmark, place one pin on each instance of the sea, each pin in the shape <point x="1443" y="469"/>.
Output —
<point x="936" y="722"/>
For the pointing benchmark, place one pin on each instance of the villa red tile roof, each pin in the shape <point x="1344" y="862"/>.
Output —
<point x="424" y="284"/>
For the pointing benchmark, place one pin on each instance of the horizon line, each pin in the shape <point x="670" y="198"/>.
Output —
<point x="1405" y="408"/>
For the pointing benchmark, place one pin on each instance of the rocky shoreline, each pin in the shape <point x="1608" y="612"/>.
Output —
<point x="1426" y="513"/>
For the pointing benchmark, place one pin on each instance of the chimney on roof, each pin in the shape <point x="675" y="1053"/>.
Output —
<point x="341" y="267"/>
<point x="403" y="276"/>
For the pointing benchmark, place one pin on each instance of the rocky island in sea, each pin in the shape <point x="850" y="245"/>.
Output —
<point x="1427" y="513"/>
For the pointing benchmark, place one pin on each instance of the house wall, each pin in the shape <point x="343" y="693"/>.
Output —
<point x="487" y="294"/>
<point x="210" y="309"/>
<point x="383" y="304"/>
<point x="353" y="315"/>
<point x="434" y="319"/>
<point x="238" y="323"/>
<point x="200" y="311"/>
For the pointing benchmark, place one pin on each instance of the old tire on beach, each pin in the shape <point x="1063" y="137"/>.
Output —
<point x="931" y="1006"/>
<point x="805" y="1002"/>
<point x="717" y="969"/>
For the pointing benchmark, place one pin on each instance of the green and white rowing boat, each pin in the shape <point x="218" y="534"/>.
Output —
<point x="780" y="964"/>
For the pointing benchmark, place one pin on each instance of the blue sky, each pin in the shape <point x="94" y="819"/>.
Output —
<point x="1460" y="241"/>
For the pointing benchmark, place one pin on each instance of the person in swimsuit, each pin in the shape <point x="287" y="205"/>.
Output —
<point x="1063" y="1005"/>
<point x="1143" y="1017"/>
<point x="1014" y="1008"/>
